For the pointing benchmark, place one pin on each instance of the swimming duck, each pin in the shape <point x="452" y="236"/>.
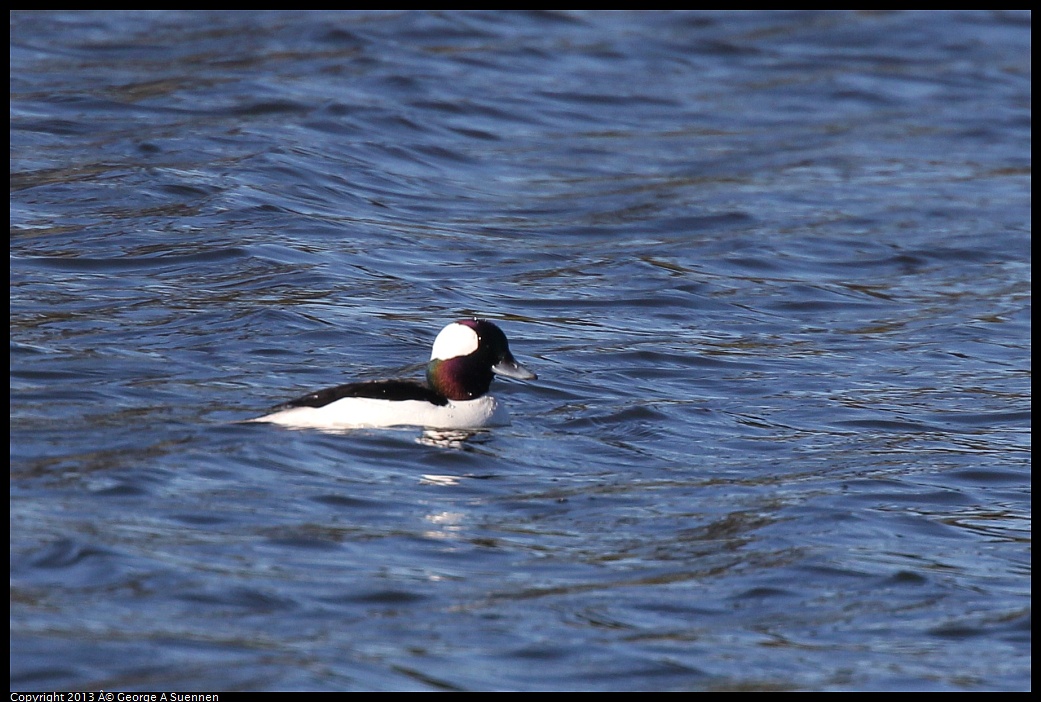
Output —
<point x="465" y="356"/>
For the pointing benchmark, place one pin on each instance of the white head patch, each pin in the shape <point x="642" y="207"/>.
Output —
<point x="454" y="340"/>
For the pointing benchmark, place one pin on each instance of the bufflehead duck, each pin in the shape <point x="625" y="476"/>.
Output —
<point x="465" y="355"/>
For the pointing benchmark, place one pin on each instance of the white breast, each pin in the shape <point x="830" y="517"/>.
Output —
<point x="361" y="412"/>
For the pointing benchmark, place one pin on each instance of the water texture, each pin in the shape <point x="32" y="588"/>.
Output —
<point x="772" y="268"/>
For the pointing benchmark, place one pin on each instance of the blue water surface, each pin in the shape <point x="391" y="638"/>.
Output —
<point x="772" y="268"/>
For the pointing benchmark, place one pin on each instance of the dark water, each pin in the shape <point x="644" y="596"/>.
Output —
<point x="773" y="270"/>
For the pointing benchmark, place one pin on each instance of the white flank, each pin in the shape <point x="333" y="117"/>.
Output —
<point x="358" y="412"/>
